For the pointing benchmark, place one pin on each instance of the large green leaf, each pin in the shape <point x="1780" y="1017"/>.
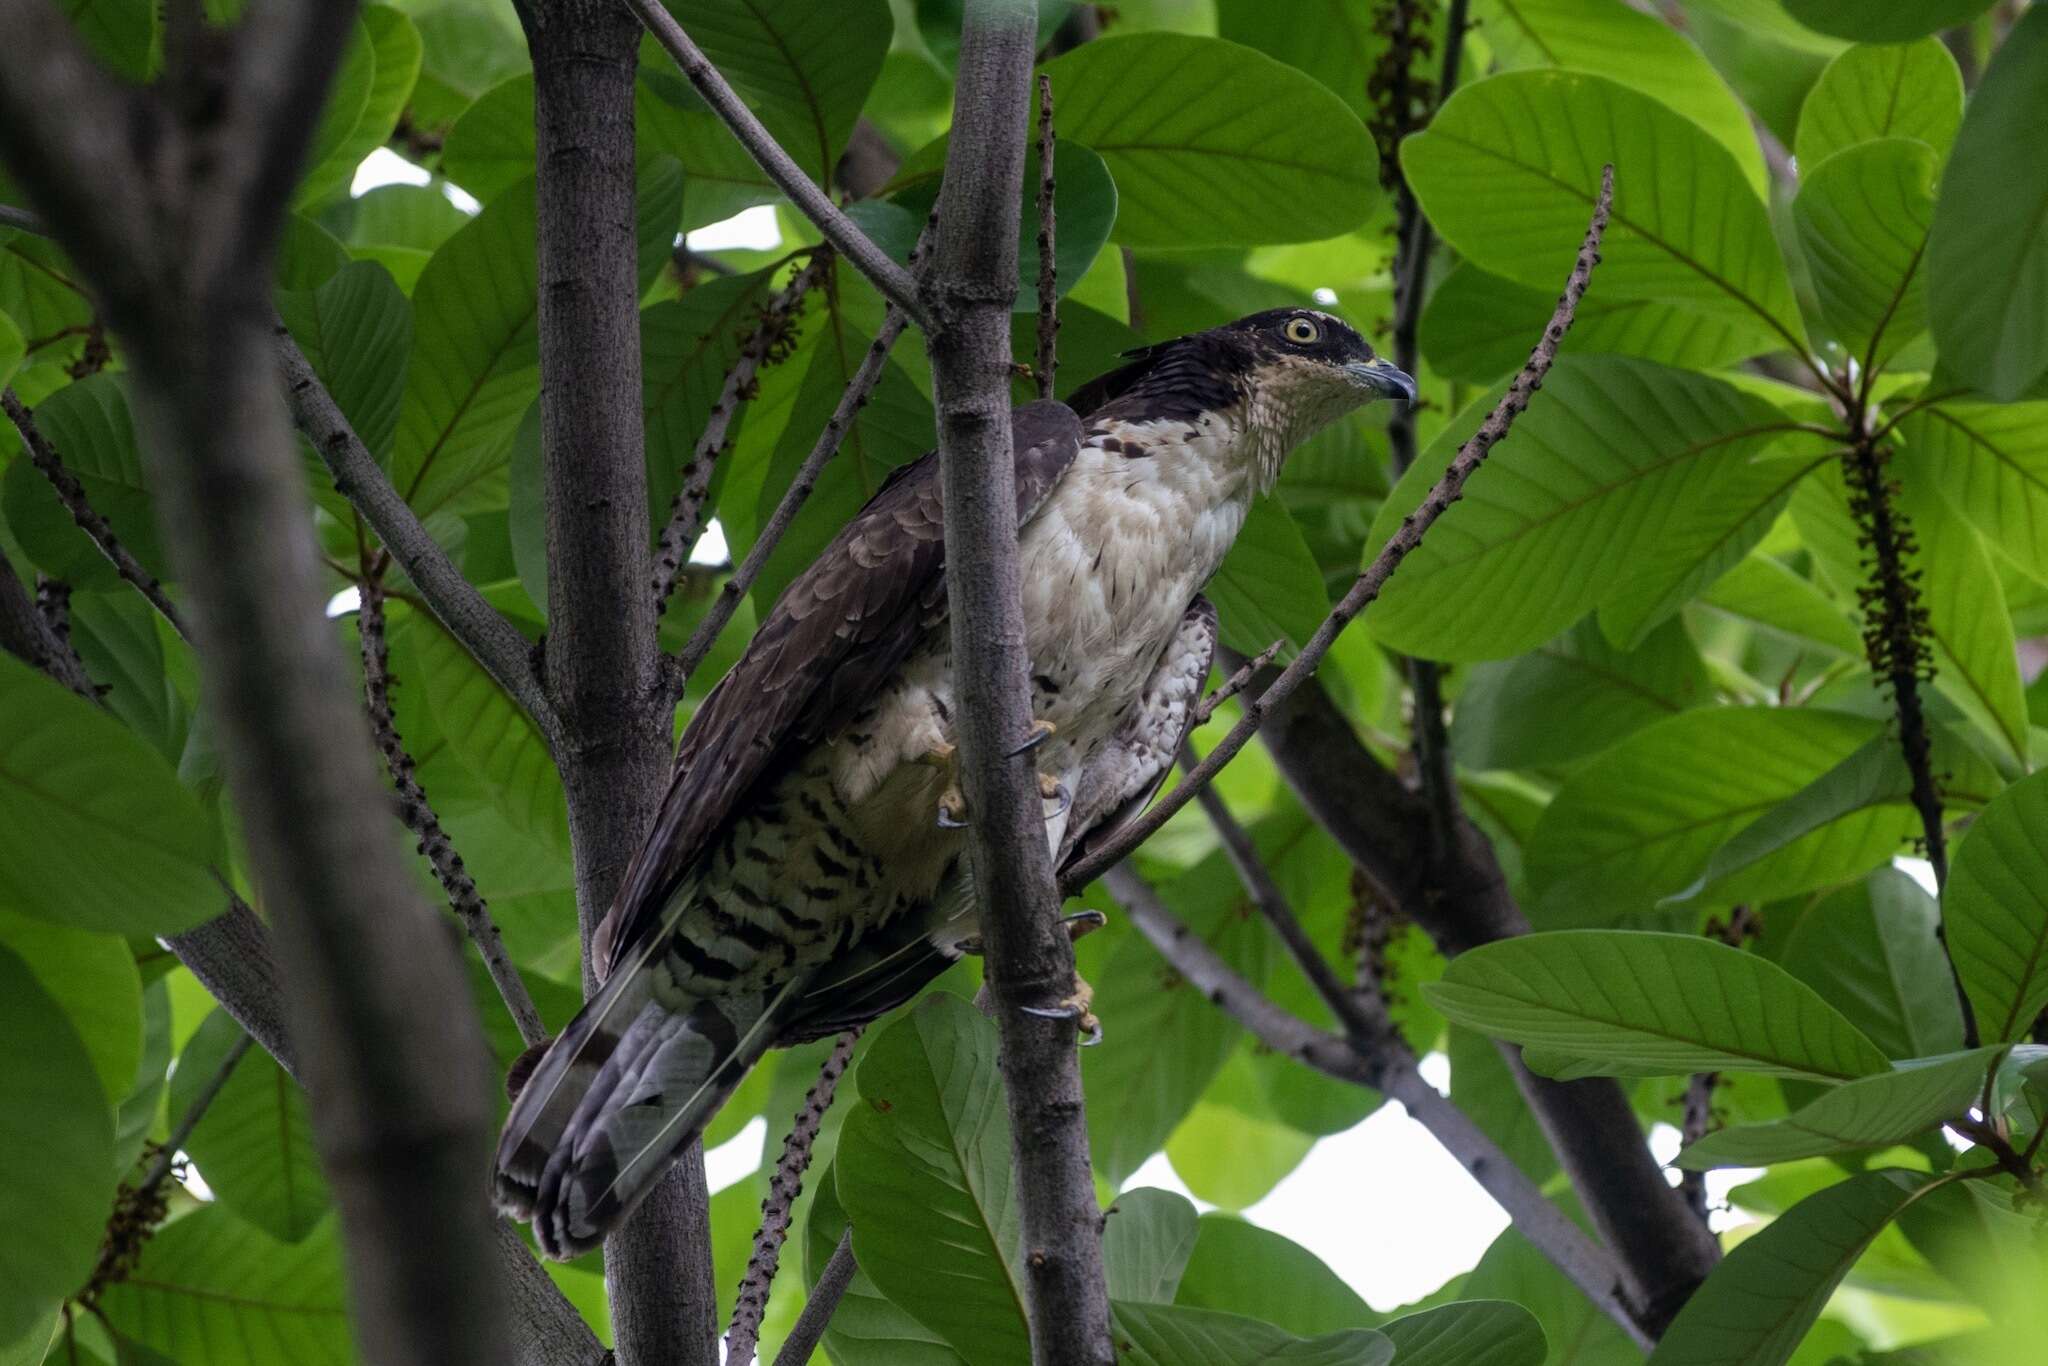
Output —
<point x="867" y="1329"/>
<point x="1883" y="21"/>
<point x="93" y="978"/>
<point x="1574" y="696"/>
<point x="1902" y="90"/>
<point x="122" y="641"/>
<point x="1240" y="1268"/>
<point x="356" y="331"/>
<point x="95" y="831"/>
<point x="1174" y="1335"/>
<point x="254" y="1144"/>
<point x="687" y="346"/>
<point x="1873" y="1112"/>
<point x="53" y="1113"/>
<point x="924" y="1162"/>
<point x="1478" y="326"/>
<point x="1862" y="217"/>
<point x="1991" y="461"/>
<point x="332" y="157"/>
<point x="1987" y="257"/>
<point x="1995" y="909"/>
<point x="13" y="347"/>
<point x="1509" y="167"/>
<point x="393" y="47"/>
<point x="1622" y="834"/>
<point x="211" y="1290"/>
<point x="89" y="425"/>
<point x="1578" y="1332"/>
<point x="1334" y="41"/>
<point x="1269" y="587"/>
<point x="805" y="69"/>
<point x="40" y="292"/>
<point x="1873" y="951"/>
<point x="1763" y="591"/>
<point x="1625" y="482"/>
<point x="1638" y="50"/>
<point x="1759" y="1303"/>
<point x="1147" y="1237"/>
<point x="1629" y="1003"/>
<point x="121" y="33"/>
<point x="1468" y="1333"/>
<point x="1265" y="155"/>
<point x="1232" y="1149"/>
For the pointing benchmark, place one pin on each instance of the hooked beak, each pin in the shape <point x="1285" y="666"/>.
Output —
<point x="1383" y="378"/>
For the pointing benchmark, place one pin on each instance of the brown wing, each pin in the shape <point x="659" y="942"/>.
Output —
<point x="832" y="641"/>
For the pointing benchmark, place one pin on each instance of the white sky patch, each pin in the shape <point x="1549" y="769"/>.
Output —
<point x="347" y="600"/>
<point x="1920" y="870"/>
<point x="711" y="547"/>
<point x="1325" y="296"/>
<point x="752" y="229"/>
<point x="386" y="167"/>
<point x="738" y="1158"/>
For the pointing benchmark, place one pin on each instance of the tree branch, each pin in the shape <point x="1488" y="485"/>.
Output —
<point x="72" y="495"/>
<point x="686" y="514"/>
<point x="1383" y="1063"/>
<point x="1366" y="588"/>
<point x="418" y="814"/>
<point x="1029" y="960"/>
<point x="26" y="634"/>
<point x="494" y="642"/>
<point x="894" y="282"/>
<point x="809" y="1331"/>
<point x="783" y="1188"/>
<point x="1046" y="363"/>
<point x="1239" y="679"/>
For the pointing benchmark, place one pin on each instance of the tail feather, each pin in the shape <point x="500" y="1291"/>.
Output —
<point x="610" y="1106"/>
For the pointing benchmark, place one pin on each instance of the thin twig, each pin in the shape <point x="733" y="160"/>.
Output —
<point x="167" y="1155"/>
<point x="1235" y="684"/>
<point x="858" y="391"/>
<point x="810" y="1327"/>
<point x="1389" y="1068"/>
<point x="892" y="280"/>
<point x="686" y="511"/>
<point x="1447" y="490"/>
<point x="28" y="635"/>
<point x="71" y="494"/>
<point x="11" y="217"/>
<point x="744" y="1335"/>
<point x="1048" y="270"/>
<point x="481" y="629"/>
<point x="418" y="814"/>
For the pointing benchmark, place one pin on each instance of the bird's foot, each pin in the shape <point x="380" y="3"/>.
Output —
<point x="1041" y="731"/>
<point x="1052" y="789"/>
<point x="1083" y="922"/>
<point x="1077" y="1007"/>
<point x="945" y="757"/>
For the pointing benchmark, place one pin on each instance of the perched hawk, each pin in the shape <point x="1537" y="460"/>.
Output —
<point x="807" y="871"/>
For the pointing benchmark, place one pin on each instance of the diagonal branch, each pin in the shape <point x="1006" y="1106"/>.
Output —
<point x="809" y="1331"/>
<point x="1367" y="587"/>
<point x="482" y="630"/>
<point x="72" y="494"/>
<point x="894" y="282"/>
<point x="1383" y="1062"/>
<point x="744" y="1335"/>
<point x="27" y="634"/>
<point x="686" y="511"/>
<point x="418" y="814"/>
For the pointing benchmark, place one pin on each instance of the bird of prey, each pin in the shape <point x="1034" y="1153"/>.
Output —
<point x="807" y="871"/>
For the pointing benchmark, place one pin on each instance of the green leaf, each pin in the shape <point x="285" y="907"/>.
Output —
<point x="95" y="831"/>
<point x="13" y="347"/>
<point x="121" y="33"/>
<point x="1762" y="591"/>
<point x="332" y="156"/>
<point x="925" y="1161"/>
<point x="1266" y="155"/>
<point x="33" y="1346"/>
<point x="1760" y="1302"/>
<point x="51" y="1107"/>
<point x="418" y="217"/>
<point x="1147" y="1237"/>
<point x="1468" y="1333"/>
<point x="1873" y="951"/>
<point x="1232" y="1149"/>
<point x="1995" y="908"/>
<point x="1174" y="1335"/>
<point x="1607" y="38"/>
<point x="356" y="330"/>
<point x="1484" y="1088"/>
<point x="1625" y="483"/>
<point x="1509" y="167"/>
<point x="1579" y="1333"/>
<point x="1874" y="1112"/>
<point x="1862" y="217"/>
<point x="475" y="361"/>
<point x="1621" y="835"/>
<point x="466" y="52"/>
<point x="496" y="741"/>
<point x="1987" y="257"/>
<point x="1332" y="40"/>
<point x="1990" y="461"/>
<point x="1897" y="90"/>
<point x="491" y="147"/>
<point x="1882" y="21"/>
<point x="687" y="346"/>
<point x="1574" y="696"/>
<point x="87" y="422"/>
<point x="39" y="291"/>
<point x="92" y="978"/>
<point x="1478" y="326"/>
<point x="121" y="639"/>
<point x="1269" y="587"/>
<point x="1628" y="1003"/>
<point x="866" y="1329"/>
<point x="1240" y="1268"/>
<point x="394" y="51"/>
<point x="137" y="1111"/>
<point x="211" y="1290"/>
<point x="804" y="69"/>
<point x="254" y="1144"/>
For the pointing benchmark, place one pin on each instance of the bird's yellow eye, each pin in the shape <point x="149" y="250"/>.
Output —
<point x="1301" y="331"/>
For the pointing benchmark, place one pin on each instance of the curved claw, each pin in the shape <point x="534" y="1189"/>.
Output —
<point x="1060" y="793"/>
<point x="1041" y="731"/>
<point x="1091" y="1028"/>
<point x="948" y="822"/>
<point x="1083" y="922"/>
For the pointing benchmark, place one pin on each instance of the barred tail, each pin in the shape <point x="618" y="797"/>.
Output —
<point x="625" y="1088"/>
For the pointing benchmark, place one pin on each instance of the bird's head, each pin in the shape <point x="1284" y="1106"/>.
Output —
<point x="1278" y="377"/>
